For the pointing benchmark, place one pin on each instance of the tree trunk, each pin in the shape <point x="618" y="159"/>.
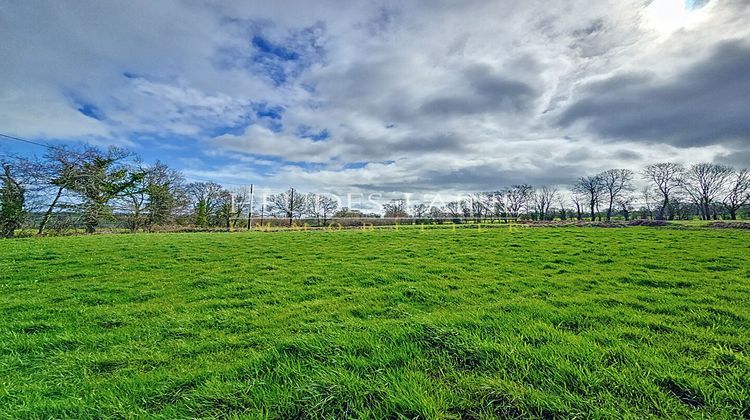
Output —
<point x="91" y="218"/>
<point x="48" y="213"/>
<point x="134" y="224"/>
<point x="664" y="207"/>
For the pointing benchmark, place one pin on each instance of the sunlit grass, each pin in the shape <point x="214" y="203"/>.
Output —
<point x="434" y="323"/>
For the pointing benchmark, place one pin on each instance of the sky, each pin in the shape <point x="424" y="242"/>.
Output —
<point x="417" y="97"/>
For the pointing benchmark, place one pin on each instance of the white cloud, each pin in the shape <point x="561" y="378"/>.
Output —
<point x="450" y="95"/>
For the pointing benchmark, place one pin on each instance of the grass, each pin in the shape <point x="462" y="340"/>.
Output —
<point x="539" y="322"/>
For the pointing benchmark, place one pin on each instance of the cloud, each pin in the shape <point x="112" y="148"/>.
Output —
<point x="379" y="96"/>
<point x="482" y="91"/>
<point x="737" y="158"/>
<point x="702" y="104"/>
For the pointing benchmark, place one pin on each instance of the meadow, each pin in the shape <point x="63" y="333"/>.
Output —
<point x="408" y="323"/>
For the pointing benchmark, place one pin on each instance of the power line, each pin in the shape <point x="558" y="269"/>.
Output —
<point x="51" y="147"/>
<point x="29" y="142"/>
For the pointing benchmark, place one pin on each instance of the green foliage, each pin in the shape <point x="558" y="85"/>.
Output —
<point x="98" y="179"/>
<point x="161" y="203"/>
<point x="165" y="192"/>
<point x="12" y="198"/>
<point x="201" y="214"/>
<point x="433" y="323"/>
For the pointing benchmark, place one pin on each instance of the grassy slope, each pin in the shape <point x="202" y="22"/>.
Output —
<point x="637" y="321"/>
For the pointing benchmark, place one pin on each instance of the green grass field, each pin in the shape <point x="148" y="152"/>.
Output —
<point x="434" y="324"/>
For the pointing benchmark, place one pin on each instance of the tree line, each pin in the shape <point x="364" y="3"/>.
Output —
<point x="669" y="191"/>
<point x="87" y="186"/>
<point x="71" y="187"/>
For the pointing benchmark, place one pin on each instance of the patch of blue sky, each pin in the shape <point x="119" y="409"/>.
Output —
<point x="356" y="165"/>
<point x="10" y="149"/>
<point x="220" y="130"/>
<point x="91" y="111"/>
<point x="306" y="132"/>
<point x="268" y="48"/>
<point x="268" y="165"/>
<point x="695" y="4"/>
<point x="264" y="110"/>
<point x="278" y="59"/>
<point x="362" y="164"/>
<point x="85" y="107"/>
<point x="151" y="145"/>
<point x="274" y="71"/>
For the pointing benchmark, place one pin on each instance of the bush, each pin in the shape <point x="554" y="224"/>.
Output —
<point x="730" y="225"/>
<point x="646" y="222"/>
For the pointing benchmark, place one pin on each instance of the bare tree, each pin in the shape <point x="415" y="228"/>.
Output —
<point x="590" y="187"/>
<point x="517" y="198"/>
<point x="250" y="208"/>
<point x="488" y="204"/>
<point x="313" y="206"/>
<point x="289" y="204"/>
<point x="420" y="210"/>
<point x="240" y="200"/>
<point x="435" y="213"/>
<point x="478" y="206"/>
<point x="328" y="206"/>
<point x="625" y="204"/>
<point x="616" y="183"/>
<point x="321" y="206"/>
<point x="738" y="192"/>
<point x="498" y="204"/>
<point x="395" y="208"/>
<point x="563" y="207"/>
<point x="466" y="208"/>
<point x="577" y="199"/>
<point x="647" y="195"/>
<point x="543" y="199"/>
<point x="704" y="183"/>
<point x="453" y="209"/>
<point x="665" y="177"/>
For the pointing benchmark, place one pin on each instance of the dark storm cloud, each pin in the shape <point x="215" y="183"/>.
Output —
<point x="483" y="177"/>
<point x="383" y="148"/>
<point x="626" y="155"/>
<point x="485" y="91"/>
<point x="707" y="103"/>
<point x="492" y="177"/>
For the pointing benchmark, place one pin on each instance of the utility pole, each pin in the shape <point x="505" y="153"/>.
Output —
<point x="291" y="205"/>
<point x="250" y="210"/>
<point x="232" y="209"/>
